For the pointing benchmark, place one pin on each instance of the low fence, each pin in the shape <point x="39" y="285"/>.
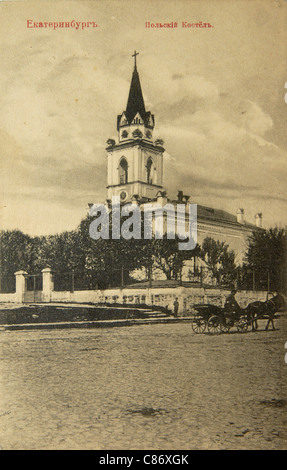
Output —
<point x="7" y="284"/>
<point x="75" y="288"/>
<point x="249" y="279"/>
<point x="163" y="296"/>
<point x="75" y="280"/>
<point x="8" y="289"/>
<point x="122" y="277"/>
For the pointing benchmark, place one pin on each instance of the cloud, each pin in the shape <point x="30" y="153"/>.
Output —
<point x="255" y="120"/>
<point x="183" y="95"/>
<point x="211" y="155"/>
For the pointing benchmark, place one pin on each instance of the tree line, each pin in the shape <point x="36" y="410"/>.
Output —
<point x="102" y="261"/>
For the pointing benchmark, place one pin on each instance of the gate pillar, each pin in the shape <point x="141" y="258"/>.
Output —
<point x="20" y="285"/>
<point x="48" y="285"/>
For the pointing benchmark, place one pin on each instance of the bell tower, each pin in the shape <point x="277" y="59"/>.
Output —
<point x="135" y="161"/>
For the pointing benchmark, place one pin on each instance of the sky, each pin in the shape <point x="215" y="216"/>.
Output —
<point x="217" y="95"/>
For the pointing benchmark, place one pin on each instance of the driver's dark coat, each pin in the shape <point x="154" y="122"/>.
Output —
<point x="231" y="305"/>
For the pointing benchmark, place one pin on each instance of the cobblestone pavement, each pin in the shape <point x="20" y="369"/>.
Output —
<point x="143" y="387"/>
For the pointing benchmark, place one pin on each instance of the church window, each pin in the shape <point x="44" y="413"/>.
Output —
<point x="124" y="134"/>
<point x="123" y="171"/>
<point x="148" y="134"/>
<point x="137" y="134"/>
<point x="150" y="171"/>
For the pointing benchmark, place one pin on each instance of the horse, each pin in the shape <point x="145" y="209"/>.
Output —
<point x="257" y="309"/>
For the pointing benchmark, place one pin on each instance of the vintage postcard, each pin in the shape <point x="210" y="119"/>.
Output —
<point x="143" y="227"/>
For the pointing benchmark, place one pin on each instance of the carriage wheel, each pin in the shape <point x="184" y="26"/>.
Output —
<point x="242" y="325"/>
<point x="198" y="325"/>
<point x="214" y="324"/>
<point x="225" y="326"/>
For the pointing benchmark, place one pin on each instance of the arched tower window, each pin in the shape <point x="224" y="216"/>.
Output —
<point x="123" y="171"/>
<point x="150" y="171"/>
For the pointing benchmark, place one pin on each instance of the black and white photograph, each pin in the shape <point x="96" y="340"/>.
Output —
<point x="143" y="227"/>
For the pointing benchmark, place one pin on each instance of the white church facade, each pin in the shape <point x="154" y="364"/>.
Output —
<point x="135" y="175"/>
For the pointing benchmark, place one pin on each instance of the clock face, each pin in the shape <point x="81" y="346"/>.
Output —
<point x="123" y="195"/>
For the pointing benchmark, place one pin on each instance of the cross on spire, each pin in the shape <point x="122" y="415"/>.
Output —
<point x="135" y="56"/>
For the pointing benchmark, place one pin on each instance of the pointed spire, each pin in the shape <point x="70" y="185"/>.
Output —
<point x="135" y="101"/>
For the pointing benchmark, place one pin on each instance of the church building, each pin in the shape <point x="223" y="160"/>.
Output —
<point x="135" y="174"/>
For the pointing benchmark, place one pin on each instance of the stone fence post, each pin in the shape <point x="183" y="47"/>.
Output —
<point x="48" y="285"/>
<point x="20" y="285"/>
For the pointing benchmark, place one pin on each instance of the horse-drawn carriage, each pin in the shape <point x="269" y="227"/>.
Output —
<point x="215" y="320"/>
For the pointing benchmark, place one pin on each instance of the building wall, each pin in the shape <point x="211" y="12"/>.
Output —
<point x="136" y="157"/>
<point x="187" y="297"/>
<point x="236" y="237"/>
<point x="7" y="298"/>
<point x="164" y="297"/>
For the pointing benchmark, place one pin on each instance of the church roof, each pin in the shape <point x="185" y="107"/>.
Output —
<point x="217" y="217"/>
<point x="216" y="214"/>
<point x="220" y="216"/>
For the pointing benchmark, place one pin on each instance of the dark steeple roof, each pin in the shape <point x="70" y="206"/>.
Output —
<point x="136" y="104"/>
<point x="135" y="101"/>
